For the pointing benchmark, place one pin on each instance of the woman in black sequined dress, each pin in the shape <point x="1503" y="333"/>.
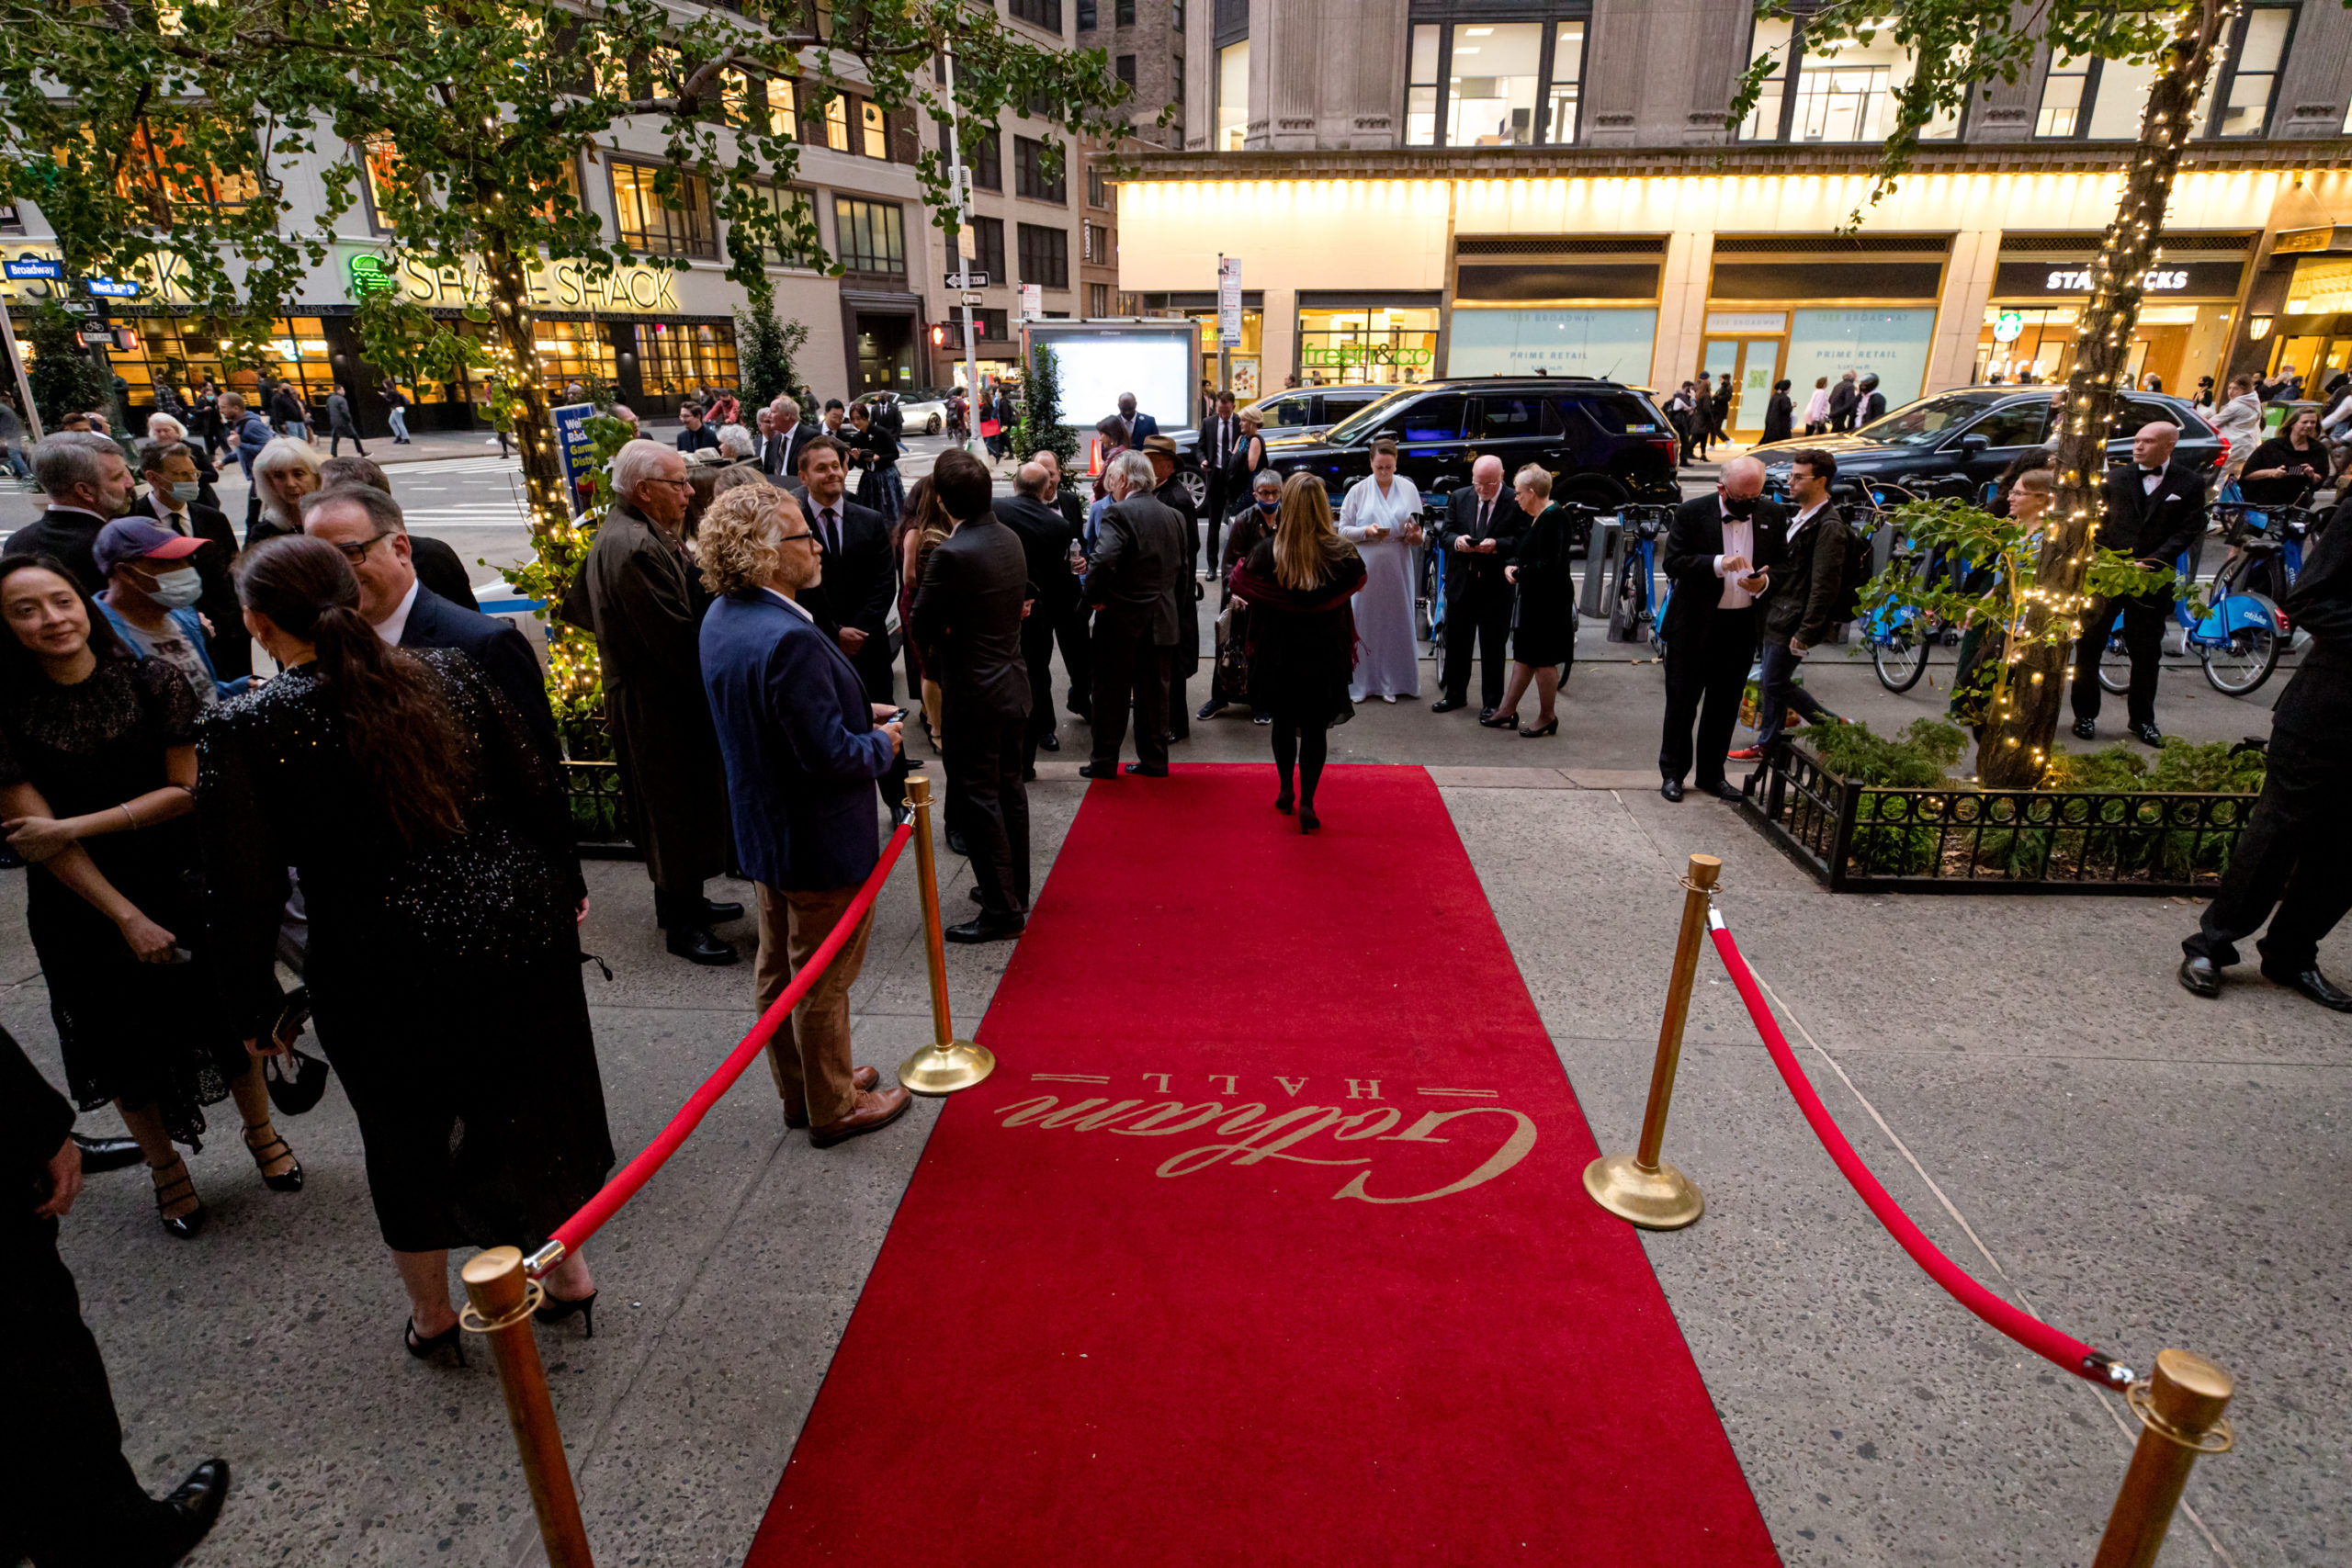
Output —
<point x="433" y="840"/>
<point x="97" y="752"/>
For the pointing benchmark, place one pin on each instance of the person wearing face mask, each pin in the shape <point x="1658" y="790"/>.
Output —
<point x="1720" y="553"/>
<point x="153" y="589"/>
<point x="88" y="486"/>
<point x="1245" y="530"/>
<point x="175" y="500"/>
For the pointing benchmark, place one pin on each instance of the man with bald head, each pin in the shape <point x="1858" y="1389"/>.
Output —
<point x="1046" y="536"/>
<point x="1480" y="531"/>
<point x="1720" y="554"/>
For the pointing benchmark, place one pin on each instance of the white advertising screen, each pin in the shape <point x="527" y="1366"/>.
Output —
<point x="1156" y="368"/>
<point x="1894" y="344"/>
<point x="1613" y="345"/>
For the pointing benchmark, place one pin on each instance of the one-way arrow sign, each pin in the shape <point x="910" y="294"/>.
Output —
<point x="968" y="281"/>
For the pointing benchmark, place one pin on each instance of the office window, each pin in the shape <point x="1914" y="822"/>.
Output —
<point x="1177" y="15"/>
<point x="1180" y="78"/>
<point x="2102" y="100"/>
<point x="676" y="361"/>
<point x="11" y="221"/>
<point x="1123" y="12"/>
<point x="1232" y="96"/>
<point x="573" y="351"/>
<point x="987" y="325"/>
<point x="870" y="236"/>
<point x="1125" y="67"/>
<point x="783" y="109"/>
<point x="1029" y="158"/>
<point x="876" y="138"/>
<point x="1098" y="189"/>
<point x="837" y="123"/>
<point x="1045" y="256"/>
<point x="380" y="159"/>
<point x="2253" y="79"/>
<point x="1098" y="299"/>
<point x="1098" y="244"/>
<point x="988" y="247"/>
<point x="792" y="204"/>
<point x="1045" y="14"/>
<point x="157" y="160"/>
<point x="984" y="156"/>
<point x="679" y="225"/>
<point x="1086" y="16"/>
<point x="1480" y="84"/>
<point x="1840" y="92"/>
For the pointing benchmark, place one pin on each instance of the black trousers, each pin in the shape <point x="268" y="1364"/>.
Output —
<point x="2144" y="636"/>
<point x="1129" y="670"/>
<point x="1179" y="716"/>
<point x="1477" y="608"/>
<point x="2295" y="857"/>
<point x="1037" y="652"/>
<point x="71" y="1499"/>
<point x="1218" y="501"/>
<point x="1074" y="634"/>
<point x="1778" y="692"/>
<point x="984" y="774"/>
<point x="1706" y="671"/>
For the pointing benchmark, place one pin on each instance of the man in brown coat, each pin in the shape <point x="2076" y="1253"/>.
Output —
<point x="638" y="594"/>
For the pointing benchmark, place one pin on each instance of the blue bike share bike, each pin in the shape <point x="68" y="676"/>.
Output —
<point x="2240" y="632"/>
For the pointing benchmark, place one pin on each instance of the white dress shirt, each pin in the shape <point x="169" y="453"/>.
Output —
<point x="390" y="628"/>
<point x="1808" y="515"/>
<point x="789" y="603"/>
<point x="1739" y="539"/>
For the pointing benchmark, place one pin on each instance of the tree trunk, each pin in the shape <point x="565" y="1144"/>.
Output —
<point x="2015" y="751"/>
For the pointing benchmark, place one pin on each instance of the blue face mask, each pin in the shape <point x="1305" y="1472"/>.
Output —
<point x="1270" y="507"/>
<point x="186" y="491"/>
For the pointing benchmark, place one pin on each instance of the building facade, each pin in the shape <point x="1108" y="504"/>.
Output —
<point x="1509" y="186"/>
<point x="660" y="334"/>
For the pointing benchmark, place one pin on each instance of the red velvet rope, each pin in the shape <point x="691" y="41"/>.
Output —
<point x="2061" y="1349"/>
<point x="638" y="1171"/>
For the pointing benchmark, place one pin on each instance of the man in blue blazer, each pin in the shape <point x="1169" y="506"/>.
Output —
<point x="1139" y="424"/>
<point x="803" y="746"/>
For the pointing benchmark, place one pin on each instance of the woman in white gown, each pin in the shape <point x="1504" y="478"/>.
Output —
<point x="1382" y="517"/>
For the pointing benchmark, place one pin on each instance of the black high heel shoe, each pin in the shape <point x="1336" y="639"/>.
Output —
<point x="287" y="1180"/>
<point x="452" y="1338"/>
<point x="1500" y="721"/>
<point x="1551" y="728"/>
<point x="559" y="1308"/>
<point x="1283" y="802"/>
<point x="184" y="1227"/>
<point x="1307" y="820"/>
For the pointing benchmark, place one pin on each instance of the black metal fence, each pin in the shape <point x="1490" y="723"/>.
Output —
<point x="599" y="811"/>
<point x="1859" y="837"/>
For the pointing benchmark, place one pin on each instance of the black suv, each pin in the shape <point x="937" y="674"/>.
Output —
<point x="1956" y="442"/>
<point x="1305" y="409"/>
<point x="1606" y="444"/>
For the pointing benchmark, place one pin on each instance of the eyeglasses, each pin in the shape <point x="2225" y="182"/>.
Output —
<point x="357" y="553"/>
<point x="787" y="539"/>
<point x="682" y="484"/>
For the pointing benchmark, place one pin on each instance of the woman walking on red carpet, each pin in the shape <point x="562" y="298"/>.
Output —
<point x="1296" y="587"/>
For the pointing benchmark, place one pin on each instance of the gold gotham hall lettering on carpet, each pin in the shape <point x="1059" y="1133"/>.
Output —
<point x="1257" y="1133"/>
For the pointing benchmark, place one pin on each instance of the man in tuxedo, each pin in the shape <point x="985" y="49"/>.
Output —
<point x="852" y="601"/>
<point x="367" y="526"/>
<point x="1139" y="426"/>
<point x="88" y="486"/>
<point x="780" y="446"/>
<point x="436" y="563"/>
<point x="966" y="619"/>
<point x="1072" y="633"/>
<point x="169" y="469"/>
<point x="1720" y="552"/>
<point x="1220" y="450"/>
<point x="2152" y="511"/>
<point x="1046" y="536"/>
<point x="1481" y="527"/>
<point x="1141" y="557"/>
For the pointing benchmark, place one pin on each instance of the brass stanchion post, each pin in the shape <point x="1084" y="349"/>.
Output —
<point x="947" y="1063"/>
<point x="1642" y="1187"/>
<point x="500" y="1298"/>
<point x="2180" y="1413"/>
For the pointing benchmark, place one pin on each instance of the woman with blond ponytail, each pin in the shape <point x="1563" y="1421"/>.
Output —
<point x="1297" y="587"/>
<point x="433" y="844"/>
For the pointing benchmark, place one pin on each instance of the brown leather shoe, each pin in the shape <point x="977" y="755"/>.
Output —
<point x="862" y="1079"/>
<point x="872" y="1111"/>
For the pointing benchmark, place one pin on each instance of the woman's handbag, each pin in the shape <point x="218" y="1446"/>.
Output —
<point x="296" y="1080"/>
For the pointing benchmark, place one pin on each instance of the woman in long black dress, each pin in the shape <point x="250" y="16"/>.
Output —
<point x="1545" y="638"/>
<point x="434" y="845"/>
<point x="1302" y="630"/>
<point x="98" y="760"/>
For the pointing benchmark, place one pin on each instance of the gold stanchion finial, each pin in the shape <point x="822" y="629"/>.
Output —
<point x="2180" y="1409"/>
<point x="499" y="1297"/>
<point x="1642" y="1187"/>
<point x="947" y="1063"/>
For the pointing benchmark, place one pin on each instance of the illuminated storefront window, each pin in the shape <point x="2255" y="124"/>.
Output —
<point x="1372" y="346"/>
<point x="676" y="359"/>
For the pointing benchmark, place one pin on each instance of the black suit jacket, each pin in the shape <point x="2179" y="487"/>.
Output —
<point x="66" y="534"/>
<point x="438" y="568"/>
<point x="504" y="654"/>
<point x="858" y="588"/>
<point x="1141" y="555"/>
<point x="1693" y="541"/>
<point x="780" y="454"/>
<point x="231" y="648"/>
<point x="2147" y="526"/>
<point x="966" y="620"/>
<point x="1506" y="524"/>
<point x="1044" y="535"/>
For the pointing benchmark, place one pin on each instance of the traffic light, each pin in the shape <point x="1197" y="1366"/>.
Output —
<point x="938" y="335"/>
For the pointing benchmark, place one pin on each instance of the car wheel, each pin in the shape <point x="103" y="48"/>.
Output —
<point x="932" y="427"/>
<point x="1196" y="485"/>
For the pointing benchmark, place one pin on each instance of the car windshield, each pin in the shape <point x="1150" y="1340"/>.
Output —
<point x="1925" y="423"/>
<point x="1364" y="421"/>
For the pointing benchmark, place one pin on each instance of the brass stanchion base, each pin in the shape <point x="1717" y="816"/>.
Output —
<point x="1660" y="1200"/>
<point x="944" y="1070"/>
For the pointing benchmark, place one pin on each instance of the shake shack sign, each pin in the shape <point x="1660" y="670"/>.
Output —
<point x="2072" y="280"/>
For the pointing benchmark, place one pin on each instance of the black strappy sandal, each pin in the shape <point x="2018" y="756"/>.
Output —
<point x="287" y="1180"/>
<point x="184" y="1227"/>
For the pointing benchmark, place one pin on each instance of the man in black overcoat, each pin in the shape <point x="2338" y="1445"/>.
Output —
<point x="1143" y="554"/>
<point x="1045" y="535"/>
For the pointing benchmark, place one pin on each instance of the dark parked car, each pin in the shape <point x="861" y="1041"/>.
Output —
<point x="1605" y="444"/>
<point x="1303" y="408"/>
<point x="1956" y="442"/>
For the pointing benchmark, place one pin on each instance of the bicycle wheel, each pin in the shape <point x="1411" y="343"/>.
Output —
<point x="1900" y="655"/>
<point x="2115" y="663"/>
<point x="2238" y="667"/>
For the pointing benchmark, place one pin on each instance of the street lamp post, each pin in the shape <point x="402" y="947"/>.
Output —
<point x="959" y="188"/>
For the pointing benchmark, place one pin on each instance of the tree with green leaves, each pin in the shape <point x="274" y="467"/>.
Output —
<point x="765" y="350"/>
<point x="161" y="139"/>
<point x="64" y="379"/>
<point x="1956" y="46"/>
<point x="1040" y="427"/>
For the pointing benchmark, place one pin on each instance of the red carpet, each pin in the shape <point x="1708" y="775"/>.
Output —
<point x="1266" y="1244"/>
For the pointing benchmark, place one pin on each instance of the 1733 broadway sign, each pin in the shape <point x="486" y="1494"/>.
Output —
<point x="1395" y="1144"/>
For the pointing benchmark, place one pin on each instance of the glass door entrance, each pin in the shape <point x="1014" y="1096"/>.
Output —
<point x="1753" y="365"/>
